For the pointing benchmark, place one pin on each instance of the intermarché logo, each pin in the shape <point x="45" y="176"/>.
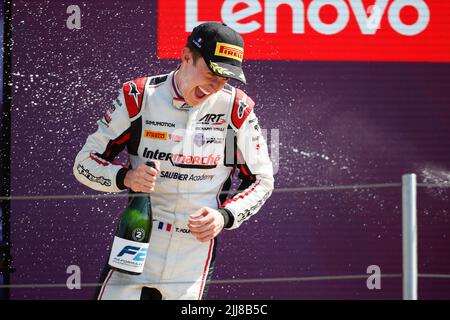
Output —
<point x="184" y="161"/>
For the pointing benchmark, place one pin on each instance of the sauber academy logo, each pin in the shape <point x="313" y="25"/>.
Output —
<point x="377" y="30"/>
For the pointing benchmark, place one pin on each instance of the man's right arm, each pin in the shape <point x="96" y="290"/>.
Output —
<point x="94" y="166"/>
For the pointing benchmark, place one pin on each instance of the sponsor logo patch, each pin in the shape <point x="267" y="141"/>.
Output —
<point x="175" y="137"/>
<point x="242" y="107"/>
<point x="134" y="92"/>
<point x="241" y="216"/>
<point x="199" y="139"/>
<point x="229" y="51"/>
<point x="215" y="140"/>
<point x="161" y="135"/>
<point x="212" y="118"/>
<point x="100" y="180"/>
<point x="184" y="161"/>
<point x="155" y="135"/>
<point x="160" y="123"/>
<point x="198" y="42"/>
<point x="186" y="177"/>
<point x="210" y="128"/>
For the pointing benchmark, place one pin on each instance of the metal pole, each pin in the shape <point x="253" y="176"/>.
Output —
<point x="409" y="231"/>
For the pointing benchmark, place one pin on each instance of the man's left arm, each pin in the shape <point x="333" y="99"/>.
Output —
<point x="256" y="172"/>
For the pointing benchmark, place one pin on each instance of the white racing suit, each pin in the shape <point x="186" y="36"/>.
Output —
<point x="199" y="149"/>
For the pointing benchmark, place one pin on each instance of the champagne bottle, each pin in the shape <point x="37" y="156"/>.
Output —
<point x="130" y="245"/>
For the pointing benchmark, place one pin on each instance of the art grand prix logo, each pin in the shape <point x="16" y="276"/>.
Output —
<point x="363" y="30"/>
<point x="212" y="118"/>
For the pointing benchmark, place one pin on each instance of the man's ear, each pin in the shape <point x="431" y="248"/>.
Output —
<point x="186" y="54"/>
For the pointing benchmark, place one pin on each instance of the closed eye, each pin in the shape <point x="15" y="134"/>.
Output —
<point x="212" y="75"/>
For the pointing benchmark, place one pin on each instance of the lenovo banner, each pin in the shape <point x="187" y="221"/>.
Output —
<point x="352" y="30"/>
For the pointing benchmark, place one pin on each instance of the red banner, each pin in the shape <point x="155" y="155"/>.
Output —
<point x="342" y="30"/>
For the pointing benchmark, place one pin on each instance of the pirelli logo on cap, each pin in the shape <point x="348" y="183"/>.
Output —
<point x="155" y="135"/>
<point x="229" y="51"/>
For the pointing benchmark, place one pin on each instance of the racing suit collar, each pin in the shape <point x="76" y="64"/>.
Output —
<point x="178" y="99"/>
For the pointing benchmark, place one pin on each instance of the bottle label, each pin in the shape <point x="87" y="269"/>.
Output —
<point x="128" y="255"/>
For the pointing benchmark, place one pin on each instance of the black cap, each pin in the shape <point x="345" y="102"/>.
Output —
<point x="221" y="47"/>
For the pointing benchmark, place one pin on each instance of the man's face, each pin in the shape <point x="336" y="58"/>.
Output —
<point x="197" y="82"/>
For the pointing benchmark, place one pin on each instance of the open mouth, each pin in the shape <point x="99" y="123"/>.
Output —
<point x="201" y="92"/>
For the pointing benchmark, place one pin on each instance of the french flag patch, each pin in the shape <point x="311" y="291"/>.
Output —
<point x="164" y="226"/>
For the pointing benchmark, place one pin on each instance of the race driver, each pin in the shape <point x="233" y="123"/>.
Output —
<point x="199" y="130"/>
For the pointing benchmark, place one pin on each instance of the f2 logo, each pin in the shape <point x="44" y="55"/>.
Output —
<point x="139" y="253"/>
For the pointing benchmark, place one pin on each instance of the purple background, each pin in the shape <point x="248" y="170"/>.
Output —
<point x="340" y="123"/>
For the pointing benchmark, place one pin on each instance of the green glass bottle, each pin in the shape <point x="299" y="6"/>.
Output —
<point x="130" y="245"/>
